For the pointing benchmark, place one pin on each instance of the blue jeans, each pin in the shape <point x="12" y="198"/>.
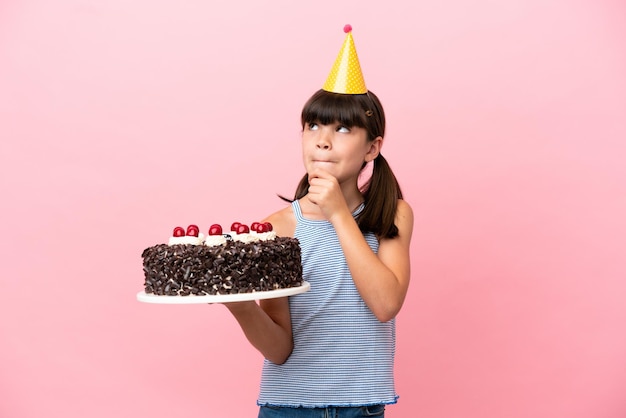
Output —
<point x="330" y="412"/>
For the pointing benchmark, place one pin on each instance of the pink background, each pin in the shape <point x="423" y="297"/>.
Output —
<point x="122" y="119"/>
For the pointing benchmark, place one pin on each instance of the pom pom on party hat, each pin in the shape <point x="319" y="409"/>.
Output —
<point x="346" y="77"/>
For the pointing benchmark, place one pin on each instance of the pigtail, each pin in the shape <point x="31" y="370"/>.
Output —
<point x="381" y="193"/>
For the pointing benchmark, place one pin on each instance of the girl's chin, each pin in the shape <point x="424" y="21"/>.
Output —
<point x="324" y="165"/>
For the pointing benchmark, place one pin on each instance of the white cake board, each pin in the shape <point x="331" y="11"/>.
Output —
<point x="238" y="297"/>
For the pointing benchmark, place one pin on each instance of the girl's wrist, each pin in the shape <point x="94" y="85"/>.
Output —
<point x="341" y="218"/>
<point x="238" y="308"/>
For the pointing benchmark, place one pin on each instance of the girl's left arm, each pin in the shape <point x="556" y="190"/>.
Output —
<point x="382" y="279"/>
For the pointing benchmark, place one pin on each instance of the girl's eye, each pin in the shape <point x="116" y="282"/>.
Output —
<point x="343" y="129"/>
<point x="313" y="126"/>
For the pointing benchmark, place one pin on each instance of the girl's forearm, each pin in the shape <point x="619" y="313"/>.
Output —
<point x="269" y="332"/>
<point x="381" y="279"/>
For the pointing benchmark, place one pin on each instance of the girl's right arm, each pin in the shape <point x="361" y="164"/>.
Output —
<point x="267" y="325"/>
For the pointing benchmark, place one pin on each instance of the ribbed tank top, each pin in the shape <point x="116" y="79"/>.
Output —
<point x="342" y="354"/>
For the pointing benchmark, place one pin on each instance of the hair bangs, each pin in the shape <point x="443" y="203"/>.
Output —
<point x="327" y="108"/>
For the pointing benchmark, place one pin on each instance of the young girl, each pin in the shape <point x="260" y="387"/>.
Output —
<point x="329" y="352"/>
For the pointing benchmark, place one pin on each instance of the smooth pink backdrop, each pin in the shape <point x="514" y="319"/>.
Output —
<point x="507" y="127"/>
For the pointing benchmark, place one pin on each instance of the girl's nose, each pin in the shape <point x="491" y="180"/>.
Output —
<point x="323" y="140"/>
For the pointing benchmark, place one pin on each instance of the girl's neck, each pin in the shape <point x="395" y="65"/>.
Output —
<point x="354" y="201"/>
<point x="352" y="195"/>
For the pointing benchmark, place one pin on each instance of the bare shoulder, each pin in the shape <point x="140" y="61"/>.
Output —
<point x="404" y="218"/>
<point x="404" y="213"/>
<point x="283" y="221"/>
<point x="404" y="223"/>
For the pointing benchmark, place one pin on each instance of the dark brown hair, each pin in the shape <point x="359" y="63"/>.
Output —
<point x="382" y="191"/>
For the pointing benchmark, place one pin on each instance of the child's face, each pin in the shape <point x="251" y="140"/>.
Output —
<point x="338" y="150"/>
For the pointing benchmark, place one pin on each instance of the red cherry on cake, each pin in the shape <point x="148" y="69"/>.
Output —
<point x="254" y="226"/>
<point x="178" y="232"/>
<point x="269" y="226"/>
<point x="193" y="231"/>
<point x="234" y="226"/>
<point x="261" y="228"/>
<point x="243" y="229"/>
<point x="215" y="229"/>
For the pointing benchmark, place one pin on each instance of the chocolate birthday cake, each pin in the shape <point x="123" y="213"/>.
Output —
<point x="241" y="261"/>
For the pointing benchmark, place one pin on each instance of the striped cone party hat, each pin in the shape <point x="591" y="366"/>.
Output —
<point x="346" y="77"/>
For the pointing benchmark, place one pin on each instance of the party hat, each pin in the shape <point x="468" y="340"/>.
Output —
<point x="345" y="77"/>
